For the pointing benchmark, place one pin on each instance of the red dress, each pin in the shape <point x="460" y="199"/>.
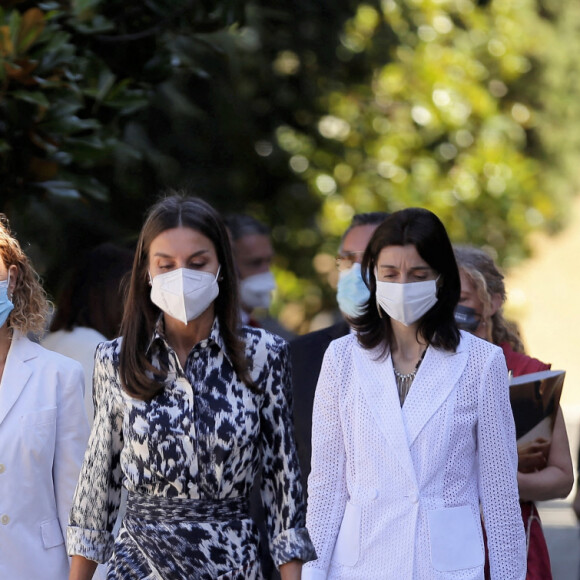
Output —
<point x="539" y="567"/>
<point x="521" y="364"/>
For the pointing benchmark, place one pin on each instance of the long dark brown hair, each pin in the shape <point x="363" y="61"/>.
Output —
<point x="423" y="229"/>
<point x="138" y="376"/>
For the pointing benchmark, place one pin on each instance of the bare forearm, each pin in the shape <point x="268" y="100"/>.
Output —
<point x="557" y="478"/>
<point x="549" y="483"/>
<point x="291" y="570"/>
<point x="81" y="568"/>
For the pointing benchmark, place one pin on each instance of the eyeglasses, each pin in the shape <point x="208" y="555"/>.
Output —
<point x="346" y="260"/>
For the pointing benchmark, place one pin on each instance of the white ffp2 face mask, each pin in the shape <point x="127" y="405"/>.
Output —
<point x="406" y="302"/>
<point x="256" y="291"/>
<point x="184" y="294"/>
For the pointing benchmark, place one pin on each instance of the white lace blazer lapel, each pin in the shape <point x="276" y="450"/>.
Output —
<point x="435" y="381"/>
<point x="377" y="383"/>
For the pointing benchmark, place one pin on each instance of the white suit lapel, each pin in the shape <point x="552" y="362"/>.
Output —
<point x="380" y="392"/>
<point x="16" y="373"/>
<point x="435" y="380"/>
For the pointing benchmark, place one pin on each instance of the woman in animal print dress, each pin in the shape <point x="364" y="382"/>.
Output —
<point x="189" y="407"/>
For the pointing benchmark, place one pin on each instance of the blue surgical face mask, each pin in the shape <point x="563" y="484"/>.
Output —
<point x="6" y="305"/>
<point x="352" y="292"/>
<point x="467" y="318"/>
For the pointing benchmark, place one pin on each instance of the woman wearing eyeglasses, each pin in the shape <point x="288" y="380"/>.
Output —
<point x="412" y="428"/>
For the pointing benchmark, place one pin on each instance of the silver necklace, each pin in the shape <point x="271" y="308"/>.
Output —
<point x="404" y="381"/>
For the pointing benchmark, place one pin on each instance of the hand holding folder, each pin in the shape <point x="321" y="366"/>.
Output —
<point x="535" y="399"/>
<point x="533" y="456"/>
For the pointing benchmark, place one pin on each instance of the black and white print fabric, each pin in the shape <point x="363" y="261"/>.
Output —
<point x="200" y="442"/>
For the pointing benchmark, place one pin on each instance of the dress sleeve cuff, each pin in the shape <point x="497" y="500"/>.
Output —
<point x="293" y="544"/>
<point x="91" y="544"/>
<point x="310" y="573"/>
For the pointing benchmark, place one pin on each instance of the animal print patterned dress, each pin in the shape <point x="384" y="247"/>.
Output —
<point x="189" y="458"/>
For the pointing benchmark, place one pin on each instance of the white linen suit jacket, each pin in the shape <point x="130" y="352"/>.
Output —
<point x="43" y="435"/>
<point x="395" y="493"/>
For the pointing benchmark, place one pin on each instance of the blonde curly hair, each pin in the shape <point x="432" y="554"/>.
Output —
<point x="31" y="306"/>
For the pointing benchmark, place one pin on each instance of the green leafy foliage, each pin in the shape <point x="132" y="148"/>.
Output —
<point x="454" y="116"/>
<point x="301" y="113"/>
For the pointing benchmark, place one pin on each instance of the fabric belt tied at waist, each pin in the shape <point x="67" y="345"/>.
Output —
<point x="171" y="509"/>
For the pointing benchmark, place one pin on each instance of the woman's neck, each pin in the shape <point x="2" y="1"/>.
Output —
<point x="183" y="337"/>
<point x="407" y="348"/>
<point x="485" y="329"/>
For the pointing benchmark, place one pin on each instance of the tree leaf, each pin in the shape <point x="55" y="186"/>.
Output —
<point x="31" y="27"/>
<point x="6" y="44"/>
<point x="33" y="97"/>
<point x="60" y="188"/>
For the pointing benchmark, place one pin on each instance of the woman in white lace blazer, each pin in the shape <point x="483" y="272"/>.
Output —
<point x="412" y="428"/>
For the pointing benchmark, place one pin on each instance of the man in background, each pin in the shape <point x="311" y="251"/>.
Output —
<point x="307" y="351"/>
<point x="253" y="256"/>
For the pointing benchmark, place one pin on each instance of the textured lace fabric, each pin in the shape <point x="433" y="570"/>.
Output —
<point x="204" y="437"/>
<point x="395" y="492"/>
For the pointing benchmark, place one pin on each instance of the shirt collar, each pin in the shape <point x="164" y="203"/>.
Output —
<point x="158" y="336"/>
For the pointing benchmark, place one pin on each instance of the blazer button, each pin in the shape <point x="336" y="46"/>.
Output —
<point x="5" y="519"/>
<point x="374" y="493"/>
<point x="414" y="498"/>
